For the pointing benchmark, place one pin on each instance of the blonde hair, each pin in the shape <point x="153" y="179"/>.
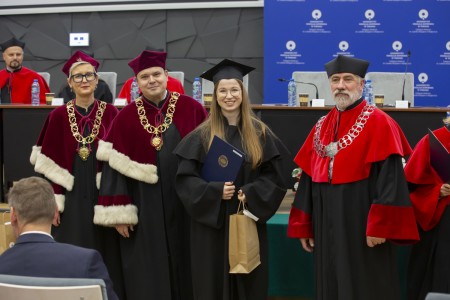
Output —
<point x="78" y="63"/>
<point x="250" y="127"/>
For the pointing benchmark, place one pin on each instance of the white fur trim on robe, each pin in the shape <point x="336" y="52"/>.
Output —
<point x="124" y="165"/>
<point x="47" y="167"/>
<point x="114" y="215"/>
<point x="35" y="150"/>
<point x="98" y="179"/>
<point x="103" y="150"/>
<point x="60" y="200"/>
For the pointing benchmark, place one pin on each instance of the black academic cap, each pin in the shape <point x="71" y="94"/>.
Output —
<point x="346" y="64"/>
<point x="227" y="69"/>
<point x="12" y="42"/>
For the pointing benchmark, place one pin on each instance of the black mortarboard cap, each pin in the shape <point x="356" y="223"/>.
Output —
<point x="346" y="64"/>
<point x="11" y="43"/>
<point x="227" y="69"/>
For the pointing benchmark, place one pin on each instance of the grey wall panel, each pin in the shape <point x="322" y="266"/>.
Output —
<point x="195" y="40"/>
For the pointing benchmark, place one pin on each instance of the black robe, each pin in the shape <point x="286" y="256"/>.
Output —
<point x="345" y="267"/>
<point x="365" y="194"/>
<point x="76" y="225"/>
<point x="75" y="181"/>
<point x="264" y="189"/>
<point x="138" y="187"/>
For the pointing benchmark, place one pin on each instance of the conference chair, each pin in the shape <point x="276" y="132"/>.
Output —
<point x="393" y="85"/>
<point x="315" y="84"/>
<point x="26" y="287"/>
<point x="177" y="75"/>
<point x="208" y="87"/>
<point x="46" y="76"/>
<point x="437" y="296"/>
<point x="111" y="79"/>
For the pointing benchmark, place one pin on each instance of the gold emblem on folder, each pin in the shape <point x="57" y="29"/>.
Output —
<point x="223" y="161"/>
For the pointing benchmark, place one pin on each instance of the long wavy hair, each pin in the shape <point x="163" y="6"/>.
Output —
<point x="251" y="129"/>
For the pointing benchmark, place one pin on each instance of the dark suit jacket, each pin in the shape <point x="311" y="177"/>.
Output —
<point x="36" y="254"/>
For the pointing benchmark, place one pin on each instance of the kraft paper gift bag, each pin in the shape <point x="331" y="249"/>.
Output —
<point x="7" y="237"/>
<point x="243" y="246"/>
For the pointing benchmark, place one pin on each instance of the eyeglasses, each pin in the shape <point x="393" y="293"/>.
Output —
<point x="79" y="77"/>
<point x="234" y="92"/>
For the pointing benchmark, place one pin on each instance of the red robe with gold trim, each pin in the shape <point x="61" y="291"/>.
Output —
<point x="54" y="153"/>
<point x="20" y="83"/>
<point x="74" y="181"/>
<point x="138" y="188"/>
<point x="366" y="196"/>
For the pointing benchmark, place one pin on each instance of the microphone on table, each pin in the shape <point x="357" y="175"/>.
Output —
<point x="302" y="82"/>
<point x="404" y="77"/>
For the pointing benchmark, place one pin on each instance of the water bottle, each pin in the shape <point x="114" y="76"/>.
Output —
<point x="292" y="93"/>
<point x="197" y="90"/>
<point x="35" y="93"/>
<point x="368" y="92"/>
<point x="134" y="90"/>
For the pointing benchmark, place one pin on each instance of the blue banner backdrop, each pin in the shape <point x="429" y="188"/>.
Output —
<point x="302" y="35"/>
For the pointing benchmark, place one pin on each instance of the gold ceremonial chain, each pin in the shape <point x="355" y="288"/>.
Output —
<point x="157" y="140"/>
<point x="84" y="151"/>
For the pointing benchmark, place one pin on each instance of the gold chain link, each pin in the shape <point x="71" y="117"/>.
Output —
<point x="84" y="151"/>
<point x="157" y="130"/>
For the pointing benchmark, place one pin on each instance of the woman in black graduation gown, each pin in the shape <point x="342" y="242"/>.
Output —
<point x="210" y="204"/>
<point x="65" y="154"/>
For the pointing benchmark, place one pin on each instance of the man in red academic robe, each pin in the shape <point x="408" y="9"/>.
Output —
<point x="137" y="190"/>
<point x="15" y="79"/>
<point x="353" y="200"/>
<point x="173" y="85"/>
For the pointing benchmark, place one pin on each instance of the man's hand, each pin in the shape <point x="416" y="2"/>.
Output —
<point x="373" y="241"/>
<point x="307" y="244"/>
<point x="445" y="190"/>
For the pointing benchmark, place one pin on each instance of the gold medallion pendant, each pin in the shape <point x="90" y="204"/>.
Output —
<point x="84" y="152"/>
<point x="157" y="142"/>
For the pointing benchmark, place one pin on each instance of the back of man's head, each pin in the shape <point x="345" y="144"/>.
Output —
<point x="33" y="200"/>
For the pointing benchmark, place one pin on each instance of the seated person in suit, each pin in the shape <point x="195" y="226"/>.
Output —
<point x="102" y="92"/>
<point x="33" y="208"/>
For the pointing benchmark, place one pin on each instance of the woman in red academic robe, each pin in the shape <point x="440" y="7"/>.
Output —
<point x="65" y="154"/>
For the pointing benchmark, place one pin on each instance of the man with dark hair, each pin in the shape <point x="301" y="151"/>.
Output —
<point x="33" y="208"/>
<point x="15" y="79"/>
<point x="353" y="196"/>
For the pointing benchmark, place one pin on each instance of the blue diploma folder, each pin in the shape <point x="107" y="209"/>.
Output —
<point x="222" y="162"/>
<point x="439" y="157"/>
